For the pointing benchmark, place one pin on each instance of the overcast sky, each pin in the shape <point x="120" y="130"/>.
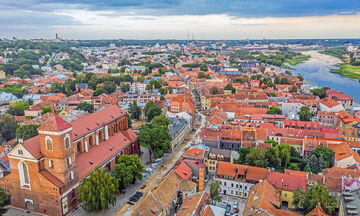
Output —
<point x="176" y="19"/>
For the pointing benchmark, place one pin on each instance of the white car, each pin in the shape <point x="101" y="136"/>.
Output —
<point x="155" y="165"/>
<point x="223" y="204"/>
<point x="149" y="170"/>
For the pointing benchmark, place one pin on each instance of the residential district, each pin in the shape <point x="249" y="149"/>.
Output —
<point x="176" y="128"/>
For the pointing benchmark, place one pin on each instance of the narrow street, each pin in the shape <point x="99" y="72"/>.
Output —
<point x="165" y="167"/>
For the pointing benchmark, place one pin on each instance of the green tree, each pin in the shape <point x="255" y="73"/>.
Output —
<point x="99" y="90"/>
<point x="256" y="157"/>
<point x="8" y="128"/>
<point x="284" y="80"/>
<point x="85" y="107"/>
<point x="57" y="88"/>
<point x="160" y="120"/>
<point x="201" y="75"/>
<point x="272" y="157"/>
<point x="309" y="199"/>
<point x="46" y="109"/>
<point x="156" y="138"/>
<point x="242" y="155"/>
<point x="109" y="87"/>
<point x="27" y="131"/>
<point x="294" y="88"/>
<point x="129" y="120"/>
<point x="214" y="90"/>
<point x="314" y="164"/>
<point x="284" y="153"/>
<point x="307" y="168"/>
<point x="124" y="87"/>
<point x="98" y="191"/>
<point x="151" y="110"/>
<point x="326" y="153"/>
<point x="17" y="108"/>
<point x="274" y="111"/>
<point x="215" y="190"/>
<point x="5" y="199"/>
<point x="128" y="170"/>
<point x="134" y="110"/>
<point x="320" y="92"/>
<point x="304" y="113"/>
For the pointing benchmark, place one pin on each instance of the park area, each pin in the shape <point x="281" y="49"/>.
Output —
<point x="348" y="70"/>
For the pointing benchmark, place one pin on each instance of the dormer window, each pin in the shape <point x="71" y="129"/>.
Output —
<point x="20" y="152"/>
<point x="49" y="143"/>
<point x="71" y="175"/>
<point x="67" y="141"/>
<point x="68" y="161"/>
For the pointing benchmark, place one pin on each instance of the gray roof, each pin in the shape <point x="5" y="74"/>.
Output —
<point x="351" y="202"/>
<point x="176" y="126"/>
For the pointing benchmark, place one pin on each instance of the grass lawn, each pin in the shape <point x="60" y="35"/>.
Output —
<point x="348" y="70"/>
<point x="298" y="59"/>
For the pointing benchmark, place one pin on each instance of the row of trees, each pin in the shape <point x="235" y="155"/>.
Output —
<point x="276" y="156"/>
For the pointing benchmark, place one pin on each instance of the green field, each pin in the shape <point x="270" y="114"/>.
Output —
<point x="298" y="59"/>
<point x="348" y="70"/>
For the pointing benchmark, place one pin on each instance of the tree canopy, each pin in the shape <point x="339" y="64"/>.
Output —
<point x="85" y="107"/>
<point x="309" y="199"/>
<point x="8" y="128"/>
<point x="98" y="191"/>
<point x="305" y="114"/>
<point x="127" y="170"/>
<point x="151" y="110"/>
<point x="27" y="131"/>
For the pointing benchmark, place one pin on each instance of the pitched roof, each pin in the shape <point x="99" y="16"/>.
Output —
<point x="55" y="123"/>
<point x="192" y="204"/>
<point x="195" y="153"/>
<point x="317" y="211"/>
<point x="287" y="182"/>
<point x="233" y="170"/>
<point x="183" y="170"/>
<point x="328" y="102"/>
<point x="89" y="123"/>
<point x="33" y="146"/>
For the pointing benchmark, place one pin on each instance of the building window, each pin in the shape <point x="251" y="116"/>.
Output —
<point x="71" y="176"/>
<point x="285" y="195"/>
<point x="67" y="141"/>
<point x="24" y="174"/>
<point x="51" y="163"/>
<point x="49" y="143"/>
<point x="68" y="161"/>
<point x="20" y="152"/>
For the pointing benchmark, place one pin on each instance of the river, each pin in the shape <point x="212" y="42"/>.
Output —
<point x="317" y="70"/>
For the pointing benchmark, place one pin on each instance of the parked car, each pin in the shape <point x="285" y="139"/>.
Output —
<point x="235" y="205"/>
<point x="149" y="170"/>
<point x="223" y="204"/>
<point x="155" y="165"/>
<point x="206" y="179"/>
<point x="159" y="160"/>
<point x="234" y="211"/>
<point x="227" y="210"/>
<point x="130" y="203"/>
<point x="142" y="187"/>
<point x="144" y="175"/>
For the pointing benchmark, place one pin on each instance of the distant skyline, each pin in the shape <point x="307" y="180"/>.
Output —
<point x="176" y="19"/>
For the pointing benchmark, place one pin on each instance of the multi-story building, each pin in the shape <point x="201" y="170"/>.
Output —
<point x="46" y="170"/>
<point x="215" y="155"/>
<point x="236" y="180"/>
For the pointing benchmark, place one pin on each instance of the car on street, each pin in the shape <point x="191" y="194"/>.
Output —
<point x="223" y="204"/>
<point x="227" y="210"/>
<point x="130" y="203"/>
<point x="148" y="170"/>
<point x="235" y="205"/>
<point x="234" y="211"/>
<point x="144" y="175"/>
<point x="155" y="165"/>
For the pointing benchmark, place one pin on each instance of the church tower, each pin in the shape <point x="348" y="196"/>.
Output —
<point x="56" y="144"/>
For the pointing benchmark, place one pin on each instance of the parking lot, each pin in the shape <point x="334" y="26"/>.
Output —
<point x="229" y="200"/>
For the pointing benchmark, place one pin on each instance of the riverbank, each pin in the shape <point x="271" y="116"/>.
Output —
<point x="317" y="69"/>
<point x="298" y="59"/>
<point x="348" y="70"/>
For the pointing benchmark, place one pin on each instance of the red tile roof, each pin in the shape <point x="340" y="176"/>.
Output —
<point x="287" y="182"/>
<point x="55" y="123"/>
<point x="195" y="153"/>
<point x="83" y="126"/>
<point x="33" y="146"/>
<point x="233" y="170"/>
<point x="328" y="102"/>
<point x="184" y="171"/>
<point x="98" y="155"/>
<point x="317" y="211"/>
<point x="51" y="178"/>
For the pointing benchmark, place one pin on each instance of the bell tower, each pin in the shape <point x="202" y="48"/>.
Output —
<point x="56" y="144"/>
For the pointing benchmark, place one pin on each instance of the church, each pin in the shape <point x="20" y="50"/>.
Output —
<point x="46" y="170"/>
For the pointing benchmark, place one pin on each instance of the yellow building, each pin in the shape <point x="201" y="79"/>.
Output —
<point x="205" y="103"/>
<point x="286" y="184"/>
<point x="216" y="155"/>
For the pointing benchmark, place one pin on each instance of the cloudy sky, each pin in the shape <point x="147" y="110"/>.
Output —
<point x="176" y="19"/>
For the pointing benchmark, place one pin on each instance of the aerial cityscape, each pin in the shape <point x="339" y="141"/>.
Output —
<point x="180" y="108"/>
